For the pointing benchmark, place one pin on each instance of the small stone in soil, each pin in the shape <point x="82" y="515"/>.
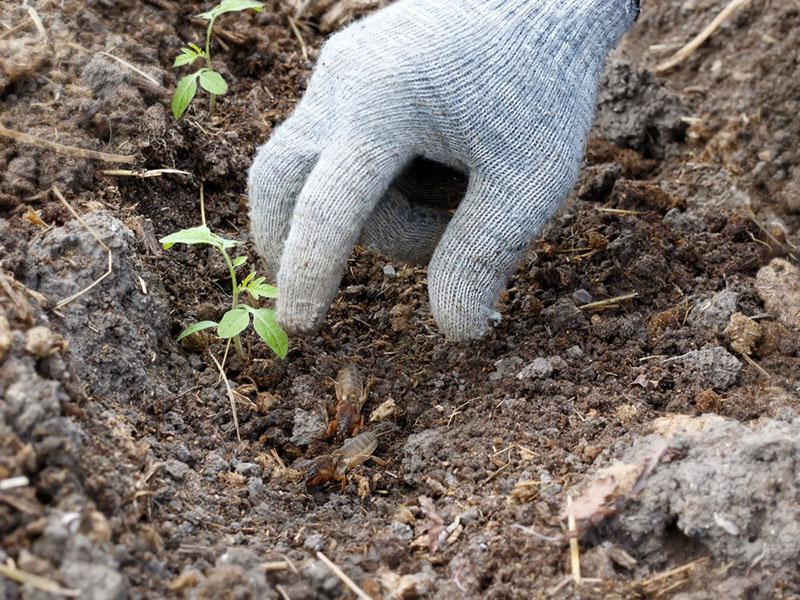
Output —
<point x="541" y="368"/>
<point x="390" y="272"/>
<point x="176" y="469"/>
<point x="717" y="367"/>
<point x="715" y="312"/>
<point x="581" y="297"/>
<point x="307" y="426"/>
<point x="574" y="352"/>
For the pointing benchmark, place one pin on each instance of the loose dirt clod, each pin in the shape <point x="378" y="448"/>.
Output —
<point x="778" y="284"/>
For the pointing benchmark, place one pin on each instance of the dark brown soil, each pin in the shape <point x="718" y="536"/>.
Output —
<point x="137" y="483"/>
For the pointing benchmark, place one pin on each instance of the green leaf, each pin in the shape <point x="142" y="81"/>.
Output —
<point x="239" y="261"/>
<point x="261" y="290"/>
<point x="211" y="81"/>
<point x="195" y="235"/>
<point x="186" y="57"/>
<point x="267" y="328"/>
<point x="233" y="322"/>
<point x="227" y="6"/>
<point x="184" y="92"/>
<point x="196" y="327"/>
<point x="246" y="281"/>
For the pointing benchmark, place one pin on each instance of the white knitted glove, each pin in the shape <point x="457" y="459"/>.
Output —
<point x="502" y="91"/>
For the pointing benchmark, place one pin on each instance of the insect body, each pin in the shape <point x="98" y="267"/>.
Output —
<point x="334" y="466"/>
<point x="350" y="397"/>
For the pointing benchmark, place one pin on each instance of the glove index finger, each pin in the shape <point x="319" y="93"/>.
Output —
<point x="338" y="197"/>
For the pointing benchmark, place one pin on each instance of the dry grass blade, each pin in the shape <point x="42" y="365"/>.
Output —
<point x="25" y="138"/>
<point x="609" y="302"/>
<point x="574" y="549"/>
<point x="231" y="396"/>
<point x="110" y="269"/>
<point x="133" y="68"/>
<point x="143" y="172"/>
<point x="299" y="37"/>
<point x="349" y="583"/>
<point x="701" y="37"/>
<point x="37" y="21"/>
<point x="619" y="211"/>
<point x="658" y="584"/>
<point x="18" y="27"/>
<point x="36" y="581"/>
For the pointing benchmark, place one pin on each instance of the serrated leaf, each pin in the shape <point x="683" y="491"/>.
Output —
<point x="213" y="82"/>
<point x="233" y="322"/>
<point x="239" y="261"/>
<point x="184" y="92"/>
<point x="227" y="6"/>
<point x="195" y="235"/>
<point x="199" y="326"/>
<point x="184" y="59"/>
<point x="246" y="281"/>
<point x="261" y="290"/>
<point x="266" y="325"/>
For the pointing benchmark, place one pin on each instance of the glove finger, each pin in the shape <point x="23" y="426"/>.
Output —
<point x="343" y="189"/>
<point x="404" y="231"/>
<point x="487" y="237"/>
<point x="275" y="180"/>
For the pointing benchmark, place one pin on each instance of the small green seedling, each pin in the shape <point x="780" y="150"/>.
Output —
<point x="238" y="318"/>
<point x="209" y="79"/>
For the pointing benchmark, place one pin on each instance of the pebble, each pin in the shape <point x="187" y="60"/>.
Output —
<point x="541" y="368"/>
<point x="255" y="487"/>
<point x="715" y="312"/>
<point x="176" y="469"/>
<point x="574" y="352"/>
<point x="390" y="272"/>
<point x="215" y="464"/>
<point x="718" y="367"/>
<point x="307" y="426"/>
<point x="581" y="297"/>
<point x="248" y="469"/>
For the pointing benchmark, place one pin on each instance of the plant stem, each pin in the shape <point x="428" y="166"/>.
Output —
<point x="202" y="205"/>
<point x="213" y="104"/>
<point x="237" y="342"/>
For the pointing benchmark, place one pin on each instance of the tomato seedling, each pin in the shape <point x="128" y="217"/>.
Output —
<point x="208" y="79"/>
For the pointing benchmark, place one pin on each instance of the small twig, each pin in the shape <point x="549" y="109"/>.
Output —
<point x="299" y="37"/>
<point x="133" y="68"/>
<point x="36" y="581"/>
<point x="349" y="583"/>
<point x="230" y="394"/>
<point x="619" y="211"/>
<point x="609" y="302"/>
<point x="143" y="172"/>
<point x="110" y="269"/>
<point x="574" y="548"/>
<point x="25" y="138"/>
<point x="676" y="571"/>
<point x="757" y="366"/>
<point x="21" y="25"/>
<point x="37" y="21"/>
<point x="537" y="535"/>
<point x="700" y="38"/>
<point x="496" y="473"/>
<point x="13" y="482"/>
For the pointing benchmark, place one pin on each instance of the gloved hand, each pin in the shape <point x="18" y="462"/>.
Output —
<point x="500" y="91"/>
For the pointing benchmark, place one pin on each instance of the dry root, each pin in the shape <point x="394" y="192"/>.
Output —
<point x="333" y="14"/>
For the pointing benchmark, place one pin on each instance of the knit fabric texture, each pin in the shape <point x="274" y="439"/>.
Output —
<point x="409" y="111"/>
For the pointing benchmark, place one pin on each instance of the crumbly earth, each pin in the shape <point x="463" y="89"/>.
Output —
<point x="134" y="483"/>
